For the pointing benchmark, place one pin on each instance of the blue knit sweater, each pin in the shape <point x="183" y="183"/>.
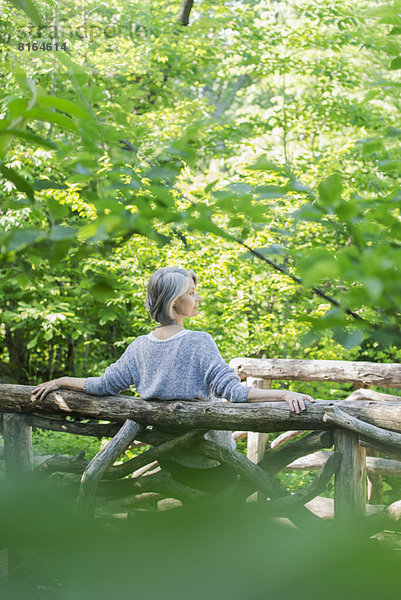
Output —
<point x="187" y="365"/>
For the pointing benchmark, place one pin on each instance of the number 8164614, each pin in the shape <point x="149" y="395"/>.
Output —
<point x="44" y="46"/>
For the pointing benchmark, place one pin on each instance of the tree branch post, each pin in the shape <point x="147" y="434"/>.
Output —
<point x="17" y="433"/>
<point x="256" y="445"/>
<point x="103" y="461"/>
<point x="350" y="480"/>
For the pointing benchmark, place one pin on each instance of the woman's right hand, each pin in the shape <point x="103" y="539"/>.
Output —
<point x="43" y="389"/>
<point x="297" y="402"/>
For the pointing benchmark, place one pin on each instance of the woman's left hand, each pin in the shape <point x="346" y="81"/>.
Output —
<point x="44" y="388"/>
<point x="297" y="402"/>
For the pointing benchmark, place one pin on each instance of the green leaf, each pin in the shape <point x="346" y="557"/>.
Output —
<point x="374" y="287"/>
<point x="65" y="106"/>
<point x="371" y="95"/>
<point x="270" y="191"/>
<point x="319" y="265"/>
<point x="391" y="165"/>
<point x="48" y="184"/>
<point x="30" y="9"/>
<point x="347" y="339"/>
<point x="23" y="281"/>
<point x="273" y="250"/>
<point x="395" y="63"/>
<point x="23" y="237"/>
<point x="20" y="183"/>
<point x="30" y="137"/>
<point x="393" y="132"/>
<point x="346" y="210"/>
<point x="32" y="343"/>
<point x="264" y="164"/>
<point x="371" y="145"/>
<point x="58" y="211"/>
<point x="102" y="290"/>
<point x="77" y="73"/>
<point x="50" y="117"/>
<point x="309" y="212"/>
<point x="62" y="232"/>
<point x="210" y="186"/>
<point x="161" y="173"/>
<point x="330" y="189"/>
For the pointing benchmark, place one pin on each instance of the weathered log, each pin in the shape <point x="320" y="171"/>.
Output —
<point x="337" y="416"/>
<point x="64" y="464"/>
<point x="168" y="504"/>
<point x="98" y="430"/>
<point x="255" y="475"/>
<point x="394" y="511"/>
<point x="160" y="483"/>
<point x="239" y="435"/>
<point x="145" y="470"/>
<point x="256" y="442"/>
<point x="375" y="480"/>
<point x="18" y="456"/>
<point x="143" y="499"/>
<point x="306" y="494"/>
<point x="102" y="462"/>
<point x="365" y="394"/>
<point x="164" y="444"/>
<point x="17" y="434"/>
<point x="244" y="467"/>
<point x="324" y="507"/>
<point x="154" y="453"/>
<point x="366" y="373"/>
<point x="263" y="416"/>
<point x="375" y="465"/>
<point x="385" y="449"/>
<point x="350" y="480"/>
<point x="285" y="437"/>
<point x="275" y="460"/>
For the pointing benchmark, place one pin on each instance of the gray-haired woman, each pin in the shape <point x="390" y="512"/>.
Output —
<point x="172" y="362"/>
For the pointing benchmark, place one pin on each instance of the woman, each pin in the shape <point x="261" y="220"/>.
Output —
<point x="173" y="363"/>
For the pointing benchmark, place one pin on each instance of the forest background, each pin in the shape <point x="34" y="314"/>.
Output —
<point x="256" y="142"/>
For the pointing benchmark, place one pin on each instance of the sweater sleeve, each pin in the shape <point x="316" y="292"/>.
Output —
<point x="116" y="378"/>
<point x="220" y="377"/>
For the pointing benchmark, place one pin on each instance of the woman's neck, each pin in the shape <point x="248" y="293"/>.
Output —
<point x="170" y="327"/>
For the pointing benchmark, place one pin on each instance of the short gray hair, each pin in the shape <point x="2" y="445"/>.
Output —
<point x="164" y="287"/>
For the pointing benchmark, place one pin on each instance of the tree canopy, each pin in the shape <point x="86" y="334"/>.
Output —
<point x="254" y="141"/>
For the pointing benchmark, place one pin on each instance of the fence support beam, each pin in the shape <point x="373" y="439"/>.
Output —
<point x="256" y="442"/>
<point x="17" y="434"/>
<point x="350" y="480"/>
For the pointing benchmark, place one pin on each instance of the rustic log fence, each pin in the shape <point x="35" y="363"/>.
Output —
<point x="366" y="419"/>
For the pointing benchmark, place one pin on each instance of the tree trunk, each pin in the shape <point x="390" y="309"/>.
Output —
<point x="185" y="11"/>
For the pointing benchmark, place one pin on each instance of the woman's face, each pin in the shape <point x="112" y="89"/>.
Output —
<point x="187" y="304"/>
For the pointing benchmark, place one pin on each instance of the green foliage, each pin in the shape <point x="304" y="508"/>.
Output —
<point x="67" y="444"/>
<point x="130" y="166"/>
<point x="65" y="556"/>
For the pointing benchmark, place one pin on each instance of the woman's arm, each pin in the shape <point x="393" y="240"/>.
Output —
<point x="69" y="383"/>
<point x="116" y="378"/>
<point x="295" y="401"/>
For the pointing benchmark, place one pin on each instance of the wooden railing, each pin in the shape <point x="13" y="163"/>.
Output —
<point x="365" y="419"/>
<point x="260" y="373"/>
